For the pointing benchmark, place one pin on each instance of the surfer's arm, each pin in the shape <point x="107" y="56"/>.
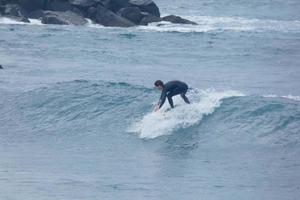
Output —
<point x="162" y="99"/>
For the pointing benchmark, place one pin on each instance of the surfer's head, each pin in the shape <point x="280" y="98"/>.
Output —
<point x="159" y="84"/>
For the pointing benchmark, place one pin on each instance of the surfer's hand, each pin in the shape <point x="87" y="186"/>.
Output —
<point x="156" y="108"/>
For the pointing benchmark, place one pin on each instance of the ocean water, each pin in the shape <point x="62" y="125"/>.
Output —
<point x="76" y="104"/>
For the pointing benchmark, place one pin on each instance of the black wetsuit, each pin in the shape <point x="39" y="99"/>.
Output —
<point x="171" y="89"/>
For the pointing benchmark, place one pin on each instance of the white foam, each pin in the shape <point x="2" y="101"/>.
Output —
<point x="159" y="123"/>
<point x="292" y="97"/>
<point x="5" y="20"/>
<point x="205" y="24"/>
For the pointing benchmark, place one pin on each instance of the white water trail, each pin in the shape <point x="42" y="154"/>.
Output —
<point x="5" y="20"/>
<point x="204" y="102"/>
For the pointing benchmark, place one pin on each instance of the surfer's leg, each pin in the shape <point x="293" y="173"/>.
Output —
<point x="170" y="101"/>
<point x="186" y="100"/>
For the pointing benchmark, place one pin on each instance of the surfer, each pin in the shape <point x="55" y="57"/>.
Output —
<point x="169" y="90"/>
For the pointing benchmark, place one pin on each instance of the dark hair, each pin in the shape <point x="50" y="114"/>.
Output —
<point x="158" y="83"/>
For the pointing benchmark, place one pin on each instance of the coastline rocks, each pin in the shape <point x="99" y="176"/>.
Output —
<point x="108" y="18"/>
<point x="133" y="14"/>
<point x="114" y="13"/>
<point x="146" y="6"/>
<point x="177" y="20"/>
<point x="63" y="18"/>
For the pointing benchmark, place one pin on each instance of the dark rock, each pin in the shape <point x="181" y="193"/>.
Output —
<point x="114" y="5"/>
<point x="91" y="13"/>
<point x="58" y="5"/>
<point x="108" y="18"/>
<point x="15" y="12"/>
<point x="37" y="14"/>
<point x="148" y="18"/>
<point x="84" y="3"/>
<point x="177" y="20"/>
<point x="1" y="67"/>
<point x="4" y="2"/>
<point x="132" y="14"/>
<point x="146" y="6"/>
<point x="63" y="18"/>
<point x="79" y="11"/>
<point x="31" y="5"/>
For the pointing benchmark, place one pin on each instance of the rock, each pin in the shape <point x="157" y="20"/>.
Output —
<point x="37" y="14"/>
<point x="84" y="3"/>
<point x="15" y="12"/>
<point x="1" y="67"/>
<point x="148" y="18"/>
<point x="133" y="14"/>
<point x="146" y="6"/>
<point x="82" y="12"/>
<point x="58" y="5"/>
<point x="108" y="18"/>
<point x="177" y="20"/>
<point x="91" y="13"/>
<point x="31" y="5"/>
<point x="63" y="18"/>
<point x="114" y="5"/>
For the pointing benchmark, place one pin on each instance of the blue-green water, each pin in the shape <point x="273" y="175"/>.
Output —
<point x="76" y="103"/>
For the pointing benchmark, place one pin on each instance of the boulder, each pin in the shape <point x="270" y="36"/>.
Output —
<point x="31" y="5"/>
<point x="114" y="5"/>
<point x="80" y="11"/>
<point x="108" y="18"/>
<point x="177" y="20"/>
<point x="146" y="6"/>
<point x="84" y="3"/>
<point x="148" y="18"/>
<point x="15" y="12"/>
<point x="133" y="14"/>
<point x="58" y="5"/>
<point x="91" y="13"/>
<point x="37" y="14"/>
<point x="63" y="18"/>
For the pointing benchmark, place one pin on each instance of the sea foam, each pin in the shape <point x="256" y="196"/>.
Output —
<point x="164" y="122"/>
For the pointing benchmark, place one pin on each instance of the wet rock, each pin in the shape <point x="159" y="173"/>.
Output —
<point x="108" y="18"/>
<point x="37" y="14"/>
<point x="91" y="13"/>
<point x="114" y="5"/>
<point x="58" y="5"/>
<point x="148" y="18"/>
<point x="146" y="6"/>
<point x="84" y="3"/>
<point x="63" y="18"/>
<point x="177" y="20"/>
<point x="31" y="5"/>
<point x="133" y="14"/>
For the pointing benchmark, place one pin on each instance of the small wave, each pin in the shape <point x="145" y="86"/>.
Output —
<point x="292" y="97"/>
<point x="160" y="123"/>
<point x="216" y="24"/>
<point x="205" y="24"/>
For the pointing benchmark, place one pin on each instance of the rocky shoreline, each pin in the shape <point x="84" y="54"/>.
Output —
<point x="112" y="13"/>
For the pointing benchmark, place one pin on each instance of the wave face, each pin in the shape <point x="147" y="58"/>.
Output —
<point x="226" y="118"/>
